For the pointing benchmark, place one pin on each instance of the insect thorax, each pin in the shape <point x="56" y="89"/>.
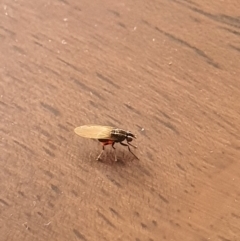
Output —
<point x="119" y="134"/>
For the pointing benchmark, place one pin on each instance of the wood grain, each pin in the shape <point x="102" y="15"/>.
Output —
<point x="166" y="70"/>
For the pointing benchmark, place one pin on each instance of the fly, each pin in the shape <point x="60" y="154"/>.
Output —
<point x="107" y="135"/>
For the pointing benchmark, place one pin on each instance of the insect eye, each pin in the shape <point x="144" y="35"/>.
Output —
<point x="129" y="138"/>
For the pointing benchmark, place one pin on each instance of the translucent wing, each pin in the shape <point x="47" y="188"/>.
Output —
<point x="94" y="131"/>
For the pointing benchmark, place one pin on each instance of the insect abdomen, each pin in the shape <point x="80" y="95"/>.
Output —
<point x="106" y="141"/>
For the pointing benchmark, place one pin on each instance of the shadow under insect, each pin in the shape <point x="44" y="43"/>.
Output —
<point x="118" y="154"/>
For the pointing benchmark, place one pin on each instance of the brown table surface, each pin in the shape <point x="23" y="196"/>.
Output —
<point x="166" y="70"/>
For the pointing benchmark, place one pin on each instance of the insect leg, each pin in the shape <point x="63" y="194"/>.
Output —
<point x="123" y="144"/>
<point x="113" y="145"/>
<point x="101" y="152"/>
<point x="132" y="145"/>
<point x="114" y="151"/>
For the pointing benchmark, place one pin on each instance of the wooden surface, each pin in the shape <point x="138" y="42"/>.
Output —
<point x="166" y="70"/>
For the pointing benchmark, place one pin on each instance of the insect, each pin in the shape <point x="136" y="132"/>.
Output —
<point x="107" y="135"/>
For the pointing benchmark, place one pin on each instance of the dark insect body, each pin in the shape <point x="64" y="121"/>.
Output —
<point x="107" y="135"/>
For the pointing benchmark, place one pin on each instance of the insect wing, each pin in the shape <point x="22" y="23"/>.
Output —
<point x="94" y="131"/>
